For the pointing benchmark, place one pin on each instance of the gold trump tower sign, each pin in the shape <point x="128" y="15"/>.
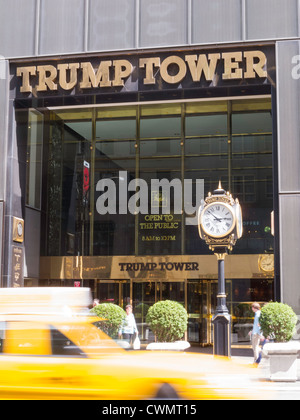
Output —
<point x="213" y="68"/>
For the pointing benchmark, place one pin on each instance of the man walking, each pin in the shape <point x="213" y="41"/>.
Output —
<point x="256" y="331"/>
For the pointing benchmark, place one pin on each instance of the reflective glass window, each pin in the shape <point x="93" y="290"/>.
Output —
<point x="102" y="163"/>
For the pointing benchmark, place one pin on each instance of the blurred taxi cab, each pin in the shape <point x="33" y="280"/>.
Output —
<point x="52" y="348"/>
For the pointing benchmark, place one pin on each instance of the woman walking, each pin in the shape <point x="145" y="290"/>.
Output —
<point x="129" y="328"/>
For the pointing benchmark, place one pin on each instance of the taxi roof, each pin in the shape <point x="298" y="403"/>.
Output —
<point x="44" y="300"/>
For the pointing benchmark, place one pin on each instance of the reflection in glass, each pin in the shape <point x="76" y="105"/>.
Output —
<point x="34" y="159"/>
<point x="229" y="141"/>
<point x="108" y="292"/>
<point x="144" y="296"/>
<point x="252" y="177"/>
<point x="115" y="152"/>
<point x="69" y="170"/>
<point x="206" y="152"/>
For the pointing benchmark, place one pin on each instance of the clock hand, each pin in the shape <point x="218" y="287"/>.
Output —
<point x="216" y="218"/>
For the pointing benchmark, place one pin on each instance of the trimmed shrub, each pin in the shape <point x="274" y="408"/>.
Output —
<point x="278" y="321"/>
<point x="112" y="315"/>
<point x="168" y="320"/>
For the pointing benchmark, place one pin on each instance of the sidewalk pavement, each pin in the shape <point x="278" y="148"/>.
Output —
<point x="244" y="355"/>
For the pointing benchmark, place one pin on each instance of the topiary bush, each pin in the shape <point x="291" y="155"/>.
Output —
<point x="113" y="316"/>
<point x="278" y="321"/>
<point x="168" y="320"/>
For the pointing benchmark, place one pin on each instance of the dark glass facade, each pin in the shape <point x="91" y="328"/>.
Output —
<point x="229" y="141"/>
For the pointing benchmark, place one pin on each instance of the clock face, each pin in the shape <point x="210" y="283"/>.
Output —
<point x="20" y="229"/>
<point x="266" y="263"/>
<point x="217" y="220"/>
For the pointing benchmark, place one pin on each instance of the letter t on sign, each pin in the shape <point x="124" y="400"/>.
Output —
<point x="25" y="73"/>
<point x="150" y="63"/>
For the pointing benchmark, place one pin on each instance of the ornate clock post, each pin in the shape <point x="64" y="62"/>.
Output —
<point x="220" y="225"/>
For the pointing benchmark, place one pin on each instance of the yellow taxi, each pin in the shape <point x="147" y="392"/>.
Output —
<point x="51" y="348"/>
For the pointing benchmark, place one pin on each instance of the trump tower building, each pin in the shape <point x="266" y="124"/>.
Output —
<point x="99" y="98"/>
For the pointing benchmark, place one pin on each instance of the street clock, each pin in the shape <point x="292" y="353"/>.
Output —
<point x="220" y="220"/>
<point x="220" y="224"/>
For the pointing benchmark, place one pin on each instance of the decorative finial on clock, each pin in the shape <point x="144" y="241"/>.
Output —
<point x="220" y="190"/>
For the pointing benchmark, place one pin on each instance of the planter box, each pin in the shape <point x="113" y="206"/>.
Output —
<point x="283" y="361"/>
<point x="176" y="346"/>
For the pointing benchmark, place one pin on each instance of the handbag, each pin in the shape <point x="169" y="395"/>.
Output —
<point x="136" y="344"/>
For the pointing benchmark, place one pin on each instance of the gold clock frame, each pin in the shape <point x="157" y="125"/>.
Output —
<point x="261" y="268"/>
<point x="230" y="208"/>
<point x="18" y="237"/>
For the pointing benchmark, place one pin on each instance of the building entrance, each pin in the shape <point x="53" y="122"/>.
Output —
<point x="199" y="297"/>
<point x="146" y="293"/>
<point x="241" y="293"/>
<point x="142" y="294"/>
